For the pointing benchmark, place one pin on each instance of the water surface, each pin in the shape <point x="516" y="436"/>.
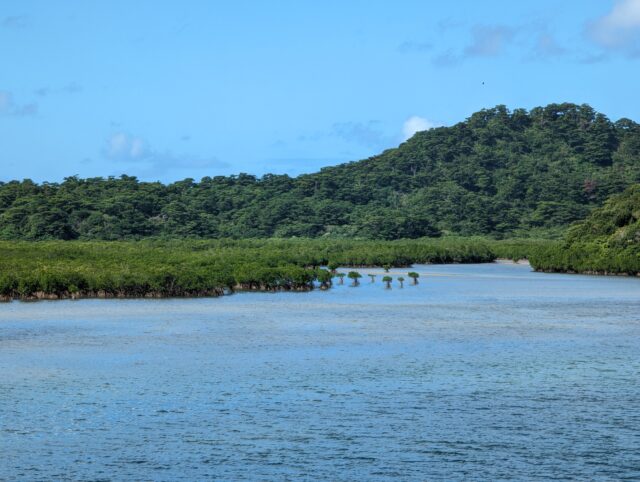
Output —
<point x="479" y="372"/>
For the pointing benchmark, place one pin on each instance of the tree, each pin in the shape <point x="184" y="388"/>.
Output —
<point x="386" y="267"/>
<point x="333" y="266"/>
<point x="354" y="275"/>
<point x="388" y="280"/>
<point x="497" y="173"/>
<point x="414" y="276"/>
<point x="373" y="277"/>
<point x="341" y="276"/>
<point x="401" y="280"/>
<point x="324" y="277"/>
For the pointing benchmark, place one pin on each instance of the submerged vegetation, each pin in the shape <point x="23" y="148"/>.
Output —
<point x="606" y="242"/>
<point x="500" y="173"/>
<point x="151" y="268"/>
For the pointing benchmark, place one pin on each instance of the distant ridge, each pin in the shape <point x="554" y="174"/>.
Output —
<point x="498" y="173"/>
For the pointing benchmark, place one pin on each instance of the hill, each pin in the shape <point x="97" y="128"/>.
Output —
<point x="606" y="242"/>
<point x="499" y="173"/>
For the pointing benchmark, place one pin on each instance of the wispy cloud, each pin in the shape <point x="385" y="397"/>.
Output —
<point x="415" y="124"/>
<point x="409" y="47"/>
<point x="294" y="166"/>
<point x="370" y="134"/>
<point x="9" y="108"/>
<point x="446" y="59"/>
<point x="367" y="134"/>
<point x="533" y="40"/>
<point x="489" y="40"/>
<point x="126" y="148"/>
<point x="546" y="46"/>
<point x="14" y="22"/>
<point x="71" y="88"/>
<point x="592" y="58"/>
<point x="448" y="24"/>
<point x="486" y="41"/>
<point x="619" y="29"/>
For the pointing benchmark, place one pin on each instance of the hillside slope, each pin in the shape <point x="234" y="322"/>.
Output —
<point x="607" y="242"/>
<point x="498" y="173"/>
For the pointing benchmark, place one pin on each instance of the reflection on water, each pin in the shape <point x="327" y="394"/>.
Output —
<point x="480" y="371"/>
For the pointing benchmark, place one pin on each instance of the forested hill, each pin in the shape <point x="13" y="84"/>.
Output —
<point x="606" y="242"/>
<point x="499" y="172"/>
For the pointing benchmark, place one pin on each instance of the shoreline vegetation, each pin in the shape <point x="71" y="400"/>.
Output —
<point x="49" y="270"/>
<point x="157" y="268"/>
<point x="607" y="242"/>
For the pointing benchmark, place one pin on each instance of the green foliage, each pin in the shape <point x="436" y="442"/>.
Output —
<point x="607" y="241"/>
<point x="517" y="249"/>
<point x="387" y="280"/>
<point x="355" y="276"/>
<point x="204" y="268"/>
<point x="324" y="277"/>
<point x="500" y="173"/>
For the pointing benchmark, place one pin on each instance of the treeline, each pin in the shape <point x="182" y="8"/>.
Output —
<point x="606" y="242"/>
<point x="500" y="173"/>
<point x="152" y="268"/>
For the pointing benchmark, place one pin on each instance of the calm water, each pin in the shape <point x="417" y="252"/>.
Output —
<point x="479" y="372"/>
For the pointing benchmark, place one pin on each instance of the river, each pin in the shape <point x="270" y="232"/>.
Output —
<point x="483" y="372"/>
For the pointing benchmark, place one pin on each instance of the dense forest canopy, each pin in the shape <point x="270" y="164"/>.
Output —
<point x="159" y="268"/>
<point x="499" y="173"/>
<point x="607" y="241"/>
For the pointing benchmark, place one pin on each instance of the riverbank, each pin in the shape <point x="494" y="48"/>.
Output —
<point x="592" y="258"/>
<point x="188" y="268"/>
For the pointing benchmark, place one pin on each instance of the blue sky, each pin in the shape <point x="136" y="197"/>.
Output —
<point x="168" y="90"/>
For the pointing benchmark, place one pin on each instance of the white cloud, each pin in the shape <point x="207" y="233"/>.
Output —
<point x="136" y="151"/>
<point x="124" y="147"/>
<point x="620" y="28"/>
<point x="415" y="124"/>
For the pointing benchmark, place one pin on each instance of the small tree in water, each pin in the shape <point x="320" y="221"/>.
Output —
<point x="388" y="280"/>
<point x="354" y="275"/>
<point x="341" y="276"/>
<point x="373" y="277"/>
<point x="414" y="276"/>
<point x="324" y="277"/>
<point x="333" y="266"/>
<point x="401" y="280"/>
<point x="386" y="267"/>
